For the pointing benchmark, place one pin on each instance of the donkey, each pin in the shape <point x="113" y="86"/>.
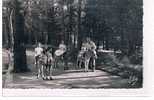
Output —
<point x="48" y="65"/>
<point x="80" y="59"/>
<point x="44" y="66"/>
<point x="85" y="57"/>
<point x="39" y="66"/>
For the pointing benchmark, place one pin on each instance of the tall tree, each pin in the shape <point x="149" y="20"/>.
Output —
<point x="17" y="31"/>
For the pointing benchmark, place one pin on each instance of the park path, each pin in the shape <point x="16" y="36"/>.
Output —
<point x="67" y="79"/>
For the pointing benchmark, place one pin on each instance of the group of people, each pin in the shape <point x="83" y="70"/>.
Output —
<point x="87" y="45"/>
<point x="40" y="51"/>
<point x="43" y="56"/>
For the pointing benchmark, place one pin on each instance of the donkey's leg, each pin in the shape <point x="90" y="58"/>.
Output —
<point x="55" y="63"/>
<point x="39" y="71"/>
<point x="49" y="69"/>
<point x="86" y="65"/>
<point x="42" y="71"/>
<point x="80" y="62"/>
<point x="76" y="66"/>
<point x="93" y="65"/>
<point x="88" y="60"/>
<point x="46" y="71"/>
<point x="50" y="72"/>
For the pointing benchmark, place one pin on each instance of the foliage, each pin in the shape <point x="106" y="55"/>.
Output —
<point x="115" y="24"/>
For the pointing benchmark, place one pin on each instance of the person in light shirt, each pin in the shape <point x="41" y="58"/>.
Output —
<point x="62" y="46"/>
<point x="38" y="52"/>
<point x="61" y="49"/>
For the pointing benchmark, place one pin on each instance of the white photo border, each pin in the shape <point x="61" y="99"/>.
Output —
<point x="148" y="66"/>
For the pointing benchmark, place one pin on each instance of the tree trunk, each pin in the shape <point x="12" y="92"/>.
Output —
<point x="17" y="37"/>
<point x="79" y="25"/>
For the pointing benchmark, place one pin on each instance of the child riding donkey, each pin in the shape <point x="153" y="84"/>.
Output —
<point x="87" y="54"/>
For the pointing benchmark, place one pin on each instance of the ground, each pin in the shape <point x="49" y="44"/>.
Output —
<point x="63" y="79"/>
<point x="68" y="79"/>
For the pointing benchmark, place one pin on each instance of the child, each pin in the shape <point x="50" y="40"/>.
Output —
<point x="38" y="52"/>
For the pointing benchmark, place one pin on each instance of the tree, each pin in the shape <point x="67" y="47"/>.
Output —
<point x="17" y="35"/>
